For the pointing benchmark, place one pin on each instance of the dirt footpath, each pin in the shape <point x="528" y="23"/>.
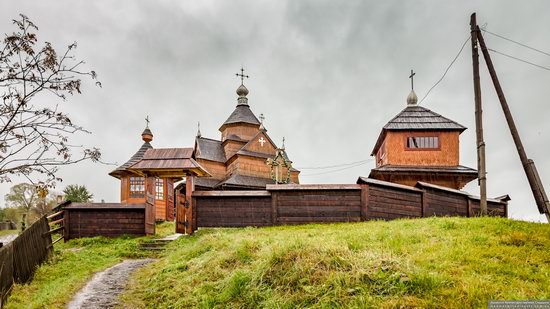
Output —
<point x="103" y="289"/>
<point x="6" y="239"/>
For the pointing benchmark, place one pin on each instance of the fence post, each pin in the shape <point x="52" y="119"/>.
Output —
<point x="364" y="202"/>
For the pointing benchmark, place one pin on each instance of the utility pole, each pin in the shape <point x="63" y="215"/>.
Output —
<point x="481" y="168"/>
<point x="528" y="165"/>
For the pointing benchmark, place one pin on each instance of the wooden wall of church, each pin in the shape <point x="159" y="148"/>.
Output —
<point x="231" y="147"/>
<point x="215" y="169"/>
<point x="241" y="130"/>
<point x="249" y="166"/>
<point x="397" y="154"/>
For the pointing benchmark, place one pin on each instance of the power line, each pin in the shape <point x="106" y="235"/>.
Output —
<point x="447" y="70"/>
<point x="331" y="166"/>
<point x="516" y="42"/>
<point x="518" y="59"/>
<point x="338" y="170"/>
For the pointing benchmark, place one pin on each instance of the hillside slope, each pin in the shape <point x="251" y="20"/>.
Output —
<point x="432" y="262"/>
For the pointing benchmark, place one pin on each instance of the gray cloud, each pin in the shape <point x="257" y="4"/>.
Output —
<point x="327" y="75"/>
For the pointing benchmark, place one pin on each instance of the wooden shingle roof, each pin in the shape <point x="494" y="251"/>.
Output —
<point x="209" y="149"/>
<point x="241" y="114"/>
<point x="417" y="118"/>
<point x="237" y="180"/>
<point x="133" y="160"/>
<point x="176" y="162"/>
<point x="420" y="118"/>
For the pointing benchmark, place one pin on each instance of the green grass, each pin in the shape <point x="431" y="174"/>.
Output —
<point x="426" y="263"/>
<point x="8" y="232"/>
<point x="73" y="264"/>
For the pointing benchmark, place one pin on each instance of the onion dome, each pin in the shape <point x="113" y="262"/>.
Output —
<point x="242" y="92"/>
<point x="412" y="99"/>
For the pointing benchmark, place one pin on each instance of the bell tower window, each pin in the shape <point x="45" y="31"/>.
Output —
<point x="422" y="143"/>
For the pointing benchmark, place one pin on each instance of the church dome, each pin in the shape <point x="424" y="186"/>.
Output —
<point x="412" y="98"/>
<point x="242" y="91"/>
<point x="147" y="135"/>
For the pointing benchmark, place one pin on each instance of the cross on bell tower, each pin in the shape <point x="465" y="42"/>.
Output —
<point x="242" y="76"/>
<point x="412" y="99"/>
<point x="412" y="79"/>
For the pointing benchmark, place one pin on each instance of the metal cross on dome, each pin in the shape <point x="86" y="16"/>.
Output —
<point x="147" y="120"/>
<point x="242" y="76"/>
<point x="262" y="141"/>
<point x="412" y="79"/>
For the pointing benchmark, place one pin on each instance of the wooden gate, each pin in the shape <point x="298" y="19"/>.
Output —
<point x="150" y="214"/>
<point x="184" y="208"/>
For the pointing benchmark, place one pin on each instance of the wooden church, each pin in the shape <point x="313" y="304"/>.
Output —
<point x="420" y="145"/>
<point x="238" y="161"/>
<point x="245" y="158"/>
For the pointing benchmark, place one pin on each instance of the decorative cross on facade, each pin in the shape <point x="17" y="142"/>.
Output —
<point x="147" y="120"/>
<point x="412" y="79"/>
<point x="242" y="76"/>
<point x="262" y="141"/>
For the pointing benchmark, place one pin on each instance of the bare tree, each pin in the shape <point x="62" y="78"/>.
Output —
<point x="34" y="138"/>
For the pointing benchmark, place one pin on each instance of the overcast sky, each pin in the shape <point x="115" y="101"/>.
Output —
<point x="327" y="75"/>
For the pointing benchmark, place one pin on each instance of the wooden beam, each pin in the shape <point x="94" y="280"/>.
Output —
<point x="53" y="231"/>
<point x="55" y="241"/>
<point x="312" y="187"/>
<point x="231" y="193"/>
<point x="55" y="221"/>
<point x="55" y="214"/>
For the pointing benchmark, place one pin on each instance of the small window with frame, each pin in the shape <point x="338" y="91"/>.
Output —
<point x="137" y="187"/>
<point x="422" y="143"/>
<point x="159" y="189"/>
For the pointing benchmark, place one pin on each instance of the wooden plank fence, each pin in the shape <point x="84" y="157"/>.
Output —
<point x="20" y="258"/>
<point x="369" y="199"/>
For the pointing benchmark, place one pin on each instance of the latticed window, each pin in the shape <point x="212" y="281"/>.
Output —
<point x="159" y="189"/>
<point x="137" y="187"/>
<point x="423" y="142"/>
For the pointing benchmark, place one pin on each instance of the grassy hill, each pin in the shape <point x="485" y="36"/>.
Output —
<point x="431" y="262"/>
